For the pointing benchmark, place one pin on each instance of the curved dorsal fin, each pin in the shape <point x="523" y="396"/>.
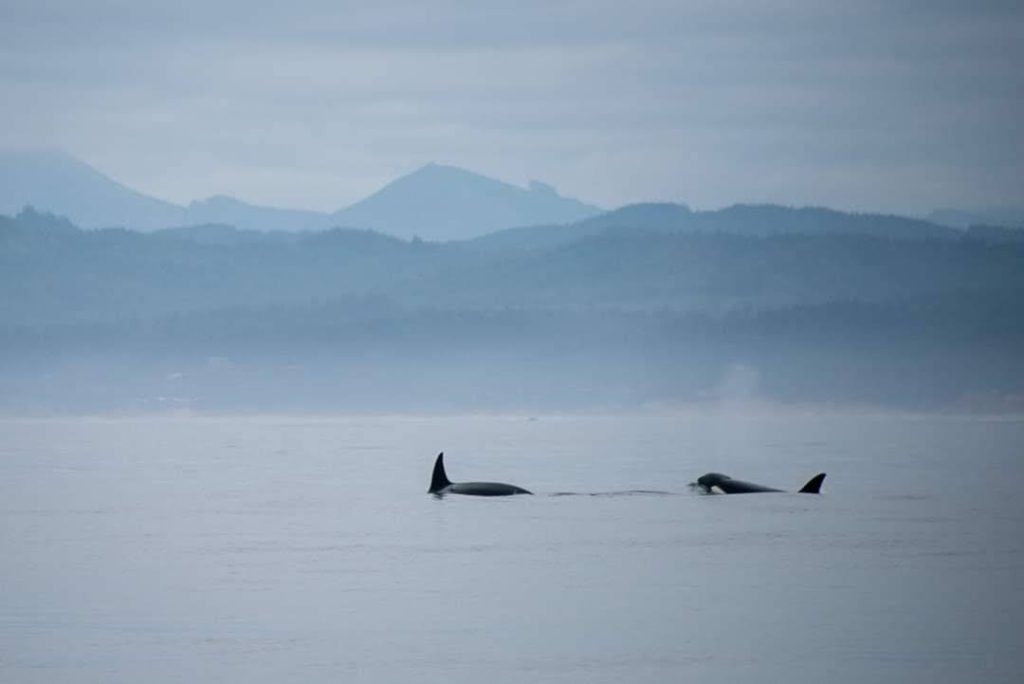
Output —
<point x="439" y="480"/>
<point x="813" y="485"/>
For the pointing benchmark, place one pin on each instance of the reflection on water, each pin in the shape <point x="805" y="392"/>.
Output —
<point x="270" y="549"/>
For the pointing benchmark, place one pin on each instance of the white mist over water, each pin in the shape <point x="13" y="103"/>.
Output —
<point x="270" y="549"/>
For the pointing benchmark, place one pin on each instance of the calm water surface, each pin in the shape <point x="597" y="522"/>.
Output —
<point x="305" y="549"/>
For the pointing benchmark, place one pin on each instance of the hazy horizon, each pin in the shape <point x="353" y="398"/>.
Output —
<point x="996" y="214"/>
<point x="891" y="109"/>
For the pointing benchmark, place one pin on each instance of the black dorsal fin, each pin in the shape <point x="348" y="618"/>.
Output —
<point x="440" y="479"/>
<point x="813" y="485"/>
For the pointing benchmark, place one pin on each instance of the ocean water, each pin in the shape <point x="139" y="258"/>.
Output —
<point x="306" y="549"/>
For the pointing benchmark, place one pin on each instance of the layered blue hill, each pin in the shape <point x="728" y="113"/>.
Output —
<point x="434" y="202"/>
<point x="440" y="202"/>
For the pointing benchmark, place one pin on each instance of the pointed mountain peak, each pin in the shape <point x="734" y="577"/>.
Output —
<point x="436" y="172"/>
<point x="443" y="202"/>
<point x="54" y="181"/>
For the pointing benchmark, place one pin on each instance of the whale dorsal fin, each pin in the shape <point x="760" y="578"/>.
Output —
<point x="439" y="480"/>
<point x="813" y="485"/>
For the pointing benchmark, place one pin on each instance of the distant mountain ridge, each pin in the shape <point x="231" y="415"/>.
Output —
<point x="1004" y="217"/>
<point x="58" y="183"/>
<point x="751" y="220"/>
<point x="53" y="272"/>
<point x="229" y="211"/>
<point x="435" y="202"/>
<point x="448" y="203"/>
<point x="634" y="313"/>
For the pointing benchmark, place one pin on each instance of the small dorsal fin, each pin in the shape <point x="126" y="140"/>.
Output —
<point x="813" y="485"/>
<point x="439" y="480"/>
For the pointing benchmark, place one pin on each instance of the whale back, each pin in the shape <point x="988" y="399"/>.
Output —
<point x="486" y="489"/>
<point x="730" y="485"/>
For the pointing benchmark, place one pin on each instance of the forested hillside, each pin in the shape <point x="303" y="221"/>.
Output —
<point x="214" y="317"/>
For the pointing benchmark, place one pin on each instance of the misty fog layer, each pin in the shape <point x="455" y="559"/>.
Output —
<point x="649" y="305"/>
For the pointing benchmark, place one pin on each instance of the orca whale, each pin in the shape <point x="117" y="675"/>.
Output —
<point x="441" y="485"/>
<point x="730" y="486"/>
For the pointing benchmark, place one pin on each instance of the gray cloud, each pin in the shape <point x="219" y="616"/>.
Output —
<point x="893" y="106"/>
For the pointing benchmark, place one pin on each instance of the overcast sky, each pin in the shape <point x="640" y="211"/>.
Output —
<point x="895" y="106"/>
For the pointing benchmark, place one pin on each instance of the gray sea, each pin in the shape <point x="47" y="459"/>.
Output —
<point x="306" y="549"/>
